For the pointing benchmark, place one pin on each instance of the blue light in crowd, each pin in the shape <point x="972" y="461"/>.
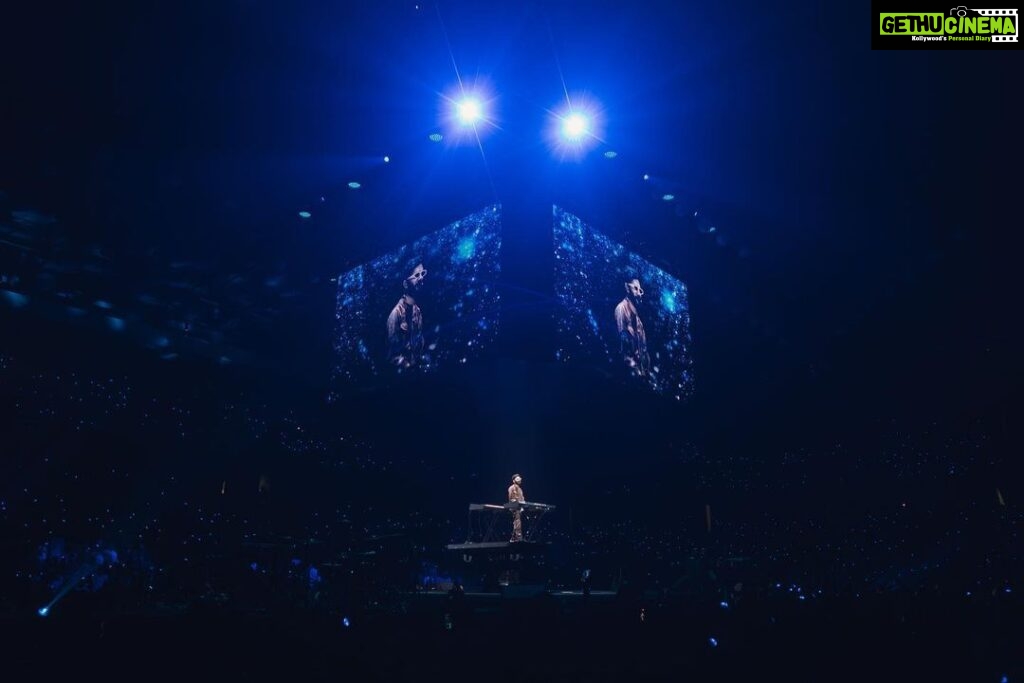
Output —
<point x="713" y="641"/>
<point x="305" y="214"/>
<point x="723" y="604"/>
<point x="611" y="154"/>
<point x="646" y="177"/>
<point x="387" y="159"/>
<point x="43" y="611"/>
<point x="354" y="185"/>
<point x="436" y="137"/>
<point x="345" y="622"/>
<point x="15" y="299"/>
<point x="667" y="197"/>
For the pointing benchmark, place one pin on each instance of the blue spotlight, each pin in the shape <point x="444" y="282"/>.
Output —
<point x="354" y="185"/>
<point x="304" y="214"/>
<point x="345" y="622"/>
<point x="713" y="641"/>
<point x="667" y="197"/>
<point x="469" y="111"/>
<point x="575" y="126"/>
<point x="646" y="177"/>
<point x="43" y="611"/>
<point x="387" y="159"/>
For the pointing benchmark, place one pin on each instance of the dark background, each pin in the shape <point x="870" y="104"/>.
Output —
<point x="855" y="313"/>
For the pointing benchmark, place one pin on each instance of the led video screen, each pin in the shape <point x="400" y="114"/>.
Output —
<point x="618" y="311"/>
<point x="422" y="308"/>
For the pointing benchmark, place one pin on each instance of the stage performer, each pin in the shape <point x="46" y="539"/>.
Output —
<point x="515" y="495"/>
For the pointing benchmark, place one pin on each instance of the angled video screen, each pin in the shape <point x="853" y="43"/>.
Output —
<point x="423" y="308"/>
<point x="619" y="312"/>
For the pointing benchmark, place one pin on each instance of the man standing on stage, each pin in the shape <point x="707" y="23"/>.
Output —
<point x="515" y="495"/>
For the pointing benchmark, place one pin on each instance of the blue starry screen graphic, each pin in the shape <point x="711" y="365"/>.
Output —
<point x="619" y="312"/>
<point x="425" y="307"/>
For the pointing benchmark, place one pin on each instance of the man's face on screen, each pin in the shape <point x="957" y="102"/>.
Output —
<point x="634" y="289"/>
<point x="415" y="279"/>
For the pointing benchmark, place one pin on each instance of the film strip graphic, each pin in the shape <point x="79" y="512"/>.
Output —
<point x="1012" y="13"/>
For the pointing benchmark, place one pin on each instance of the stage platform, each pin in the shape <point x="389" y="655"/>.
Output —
<point x="486" y="566"/>
<point x="496" y="545"/>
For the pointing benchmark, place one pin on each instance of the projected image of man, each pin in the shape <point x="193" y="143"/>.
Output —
<point x="632" y="337"/>
<point x="405" y="324"/>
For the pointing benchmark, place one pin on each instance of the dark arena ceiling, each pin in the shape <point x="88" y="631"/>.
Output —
<point x="162" y="160"/>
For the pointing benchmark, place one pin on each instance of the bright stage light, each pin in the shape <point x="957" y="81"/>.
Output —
<point x="575" y="126"/>
<point x="469" y="111"/>
<point x="43" y="611"/>
<point x="355" y="185"/>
